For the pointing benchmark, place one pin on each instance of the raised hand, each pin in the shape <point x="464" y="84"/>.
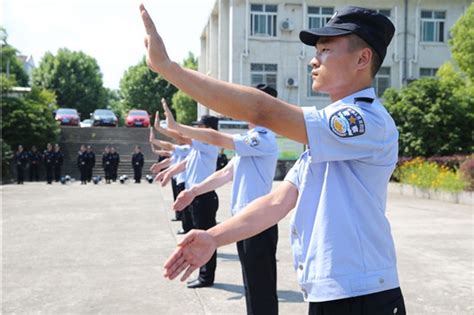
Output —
<point x="193" y="251"/>
<point x="183" y="200"/>
<point x="157" y="58"/>
<point x="152" y="135"/>
<point x="157" y="121"/>
<point x="160" y="176"/>
<point x="170" y="121"/>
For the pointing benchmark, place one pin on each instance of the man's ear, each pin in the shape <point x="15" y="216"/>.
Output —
<point x="365" y="57"/>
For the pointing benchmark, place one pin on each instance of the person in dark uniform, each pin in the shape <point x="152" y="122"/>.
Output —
<point x="137" y="163"/>
<point x="35" y="161"/>
<point x="107" y="164"/>
<point x="90" y="163"/>
<point x="82" y="163"/>
<point x="21" y="159"/>
<point x="115" y="163"/>
<point x="222" y="160"/>
<point x="48" y="158"/>
<point x="58" y="162"/>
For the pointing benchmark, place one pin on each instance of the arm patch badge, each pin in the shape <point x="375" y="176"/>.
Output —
<point x="251" y="140"/>
<point x="347" y="122"/>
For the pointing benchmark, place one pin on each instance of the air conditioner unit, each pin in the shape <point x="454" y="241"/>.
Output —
<point x="291" y="83"/>
<point x="287" y="26"/>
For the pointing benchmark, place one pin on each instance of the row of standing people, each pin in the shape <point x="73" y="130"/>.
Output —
<point x="251" y="172"/>
<point x="52" y="159"/>
<point x="110" y="164"/>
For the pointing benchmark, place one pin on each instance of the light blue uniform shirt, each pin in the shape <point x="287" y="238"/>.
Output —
<point x="254" y="166"/>
<point x="341" y="239"/>
<point x="201" y="162"/>
<point x="180" y="153"/>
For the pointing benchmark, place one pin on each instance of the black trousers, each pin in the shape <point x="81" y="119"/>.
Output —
<point x="388" y="302"/>
<point x="89" y="173"/>
<point x="83" y="170"/>
<point x="57" y="173"/>
<point x="107" y="174"/>
<point x="20" y="174"/>
<point x="137" y="171"/>
<point x="259" y="271"/>
<point x="34" y="172"/>
<point x="177" y="188"/>
<point x="114" y="173"/>
<point x="203" y="214"/>
<point x="49" y="174"/>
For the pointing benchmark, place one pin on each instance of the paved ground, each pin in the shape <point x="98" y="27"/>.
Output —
<point x="100" y="249"/>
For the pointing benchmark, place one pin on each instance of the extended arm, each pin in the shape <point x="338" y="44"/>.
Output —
<point x="165" y="176"/>
<point x="214" y="181"/>
<point x="170" y="133"/>
<point x="198" y="246"/>
<point x="206" y="135"/>
<point x="157" y="167"/>
<point x="240" y="102"/>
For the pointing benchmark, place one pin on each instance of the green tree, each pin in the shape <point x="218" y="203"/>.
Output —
<point x="28" y="119"/>
<point x="11" y="67"/>
<point x="184" y="106"/>
<point x="141" y="88"/>
<point x="432" y="117"/>
<point x="74" y="77"/>
<point x="462" y="42"/>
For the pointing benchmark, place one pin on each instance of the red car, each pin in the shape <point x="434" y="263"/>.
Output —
<point x="67" y="116"/>
<point x="137" y="118"/>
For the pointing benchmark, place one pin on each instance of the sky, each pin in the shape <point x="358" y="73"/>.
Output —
<point x="111" y="31"/>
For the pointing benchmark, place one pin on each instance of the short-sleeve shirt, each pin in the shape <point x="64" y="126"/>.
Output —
<point x="341" y="239"/>
<point x="201" y="162"/>
<point x="254" y="166"/>
<point x="180" y="153"/>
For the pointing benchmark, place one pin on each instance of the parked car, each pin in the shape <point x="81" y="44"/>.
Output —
<point x="86" y="123"/>
<point x="67" y="116"/>
<point x="137" y="118"/>
<point x="104" y="117"/>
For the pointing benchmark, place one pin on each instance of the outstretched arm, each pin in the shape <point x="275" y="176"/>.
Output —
<point x="165" y="145"/>
<point x="198" y="246"/>
<point x="240" y="102"/>
<point x="157" y="167"/>
<point x="170" y="133"/>
<point x="206" y="135"/>
<point x="214" y="181"/>
<point x="165" y="176"/>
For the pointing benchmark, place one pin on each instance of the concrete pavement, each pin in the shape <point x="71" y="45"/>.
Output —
<point x="100" y="249"/>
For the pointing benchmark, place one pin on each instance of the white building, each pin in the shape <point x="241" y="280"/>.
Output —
<point x="251" y="42"/>
<point x="28" y="64"/>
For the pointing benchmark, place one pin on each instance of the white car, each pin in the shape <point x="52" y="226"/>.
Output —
<point x="86" y="123"/>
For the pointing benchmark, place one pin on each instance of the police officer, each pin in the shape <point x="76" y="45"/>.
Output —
<point x="82" y="163"/>
<point x="90" y="163"/>
<point x="222" y="160"/>
<point x="58" y="162"/>
<point x="35" y="161"/>
<point x="251" y="172"/>
<point x="21" y="161"/>
<point x="48" y="158"/>
<point x="343" y="249"/>
<point x="137" y="163"/>
<point x="115" y="163"/>
<point x="178" y="153"/>
<point x="201" y="213"/>
<point x="107" y="164"/>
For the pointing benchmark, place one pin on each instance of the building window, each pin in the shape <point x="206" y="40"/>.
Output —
<point x="382" y="81"/>
<point x="432" y="26"/>
<point x="309" y="85"/>
<point x="319" y="16"/>
<point x="428" y="72"/>
<point x="264" y="73"/>
<point x="263" y="19"/>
